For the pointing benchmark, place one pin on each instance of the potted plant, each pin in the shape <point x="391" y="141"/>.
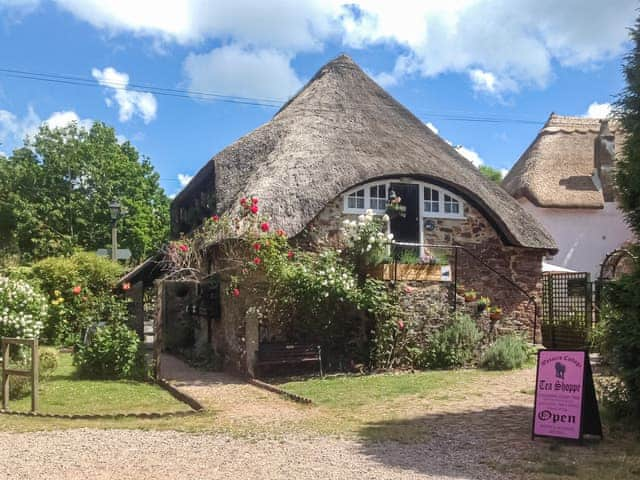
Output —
<point x="395" y="208"/>
<point x="470" y="296"/>
<point x="495" y="313"/>
<point x="483" y="304"/>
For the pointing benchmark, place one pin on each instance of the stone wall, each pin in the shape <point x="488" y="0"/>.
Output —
<point x="474" y="232"/>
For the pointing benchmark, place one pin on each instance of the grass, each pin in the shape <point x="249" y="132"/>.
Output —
<point x="63" y="393"/>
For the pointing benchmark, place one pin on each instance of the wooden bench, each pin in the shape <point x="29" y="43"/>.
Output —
<point x="279" y="354"/>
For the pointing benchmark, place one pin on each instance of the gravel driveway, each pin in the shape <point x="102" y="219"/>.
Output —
<point x="134" y="454"/>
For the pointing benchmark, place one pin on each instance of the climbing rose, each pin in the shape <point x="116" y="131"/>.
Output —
<point x="183" y="248"/>
<point x="280" y="232"/>
<point x="215" y="218"/>
<point x="254" y="200"/>
<point x="290" y="254"/>
<point x="257" y="246"/>
<point x="236" y="292"/>
<point x="264" y="227"/>
<point x="254" y="209"/>
<point x="243" y="201"/>
<point x="126" y="286"/>
<point x="400" y="324"/>
<point x="257" y="260"/>
<point x="76" y="290"/>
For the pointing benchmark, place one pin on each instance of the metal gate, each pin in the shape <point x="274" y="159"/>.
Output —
<point x="567" y="312"/>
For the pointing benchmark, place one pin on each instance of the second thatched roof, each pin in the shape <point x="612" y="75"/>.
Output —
<point x="339" y="131"/>
<point x="556" y="171"/>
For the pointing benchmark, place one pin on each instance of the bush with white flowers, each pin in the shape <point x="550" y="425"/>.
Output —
<point x="366" y="240"/>
<point x="22" y="309"/>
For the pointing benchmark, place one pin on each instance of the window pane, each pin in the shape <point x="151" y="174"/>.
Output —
<point x="435" y="195"/>
<point x="359" y="202"/>
<point x="454" y="207"/>
<point x="351" y="202"/>
<point x="447" y="208"/>
<point x="435" y="206"/>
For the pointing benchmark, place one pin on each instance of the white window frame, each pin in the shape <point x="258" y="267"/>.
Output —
<point x="421" y="186"/>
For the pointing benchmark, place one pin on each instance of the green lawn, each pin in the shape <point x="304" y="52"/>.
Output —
<point x="63" y="393"/>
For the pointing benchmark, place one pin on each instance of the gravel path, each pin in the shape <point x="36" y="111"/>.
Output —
<point x="131" y="454"/>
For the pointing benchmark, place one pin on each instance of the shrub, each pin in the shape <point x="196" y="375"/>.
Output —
<point x="454" y="345"/>
<point x="508" y="352"/>
<point x="79" y="290"/>
<point x="20" y="387"/>
<point x="619" y="342"/>
<point x="113" y="352"/>
<point x="22" y="309"/>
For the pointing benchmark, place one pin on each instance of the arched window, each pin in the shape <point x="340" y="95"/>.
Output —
<point x="435" y="201"/>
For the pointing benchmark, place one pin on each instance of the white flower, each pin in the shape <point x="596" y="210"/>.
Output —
<point x="369" y="212"/>
<point x="361" y="218"/>
<point x="385" y="218"/>
<point x="390" y="236"/>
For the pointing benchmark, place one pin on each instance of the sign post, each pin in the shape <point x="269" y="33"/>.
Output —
<point x="565" y="397"/>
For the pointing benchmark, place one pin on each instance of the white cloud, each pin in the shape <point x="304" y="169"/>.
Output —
<point x="504" y="171"/>
<point x="65" y="118"/>
<point x="16" y="9"/>
<point x="130" y="103"/>
<point x="432" y="127"/>
<point x="14" y="130"/>
<point x="470" y="155"/>
<point x="234" y="70"/>
<point x="598" y="110"/>
<point x="495" y="37"/>
<point x="184" y="179"/>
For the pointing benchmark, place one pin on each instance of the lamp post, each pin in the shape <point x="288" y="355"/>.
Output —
<point x="115" y="209"/>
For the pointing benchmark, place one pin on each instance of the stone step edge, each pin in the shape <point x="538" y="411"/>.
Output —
<point x="272" y="388"/>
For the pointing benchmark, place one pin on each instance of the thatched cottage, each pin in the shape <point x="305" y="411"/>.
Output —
<point x="565" y="180"/>
<point x="341" y="146"/>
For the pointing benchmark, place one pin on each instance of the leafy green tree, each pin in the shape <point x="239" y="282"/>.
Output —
<point x="491" y="173"/>
<point x="55" y="194"/>
<point x="628" y="113"/>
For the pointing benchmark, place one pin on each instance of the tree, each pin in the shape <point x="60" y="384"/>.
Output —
<point x="491" y="173"/>
<point x="55" y="194"/>
<point x="628" y="113"/>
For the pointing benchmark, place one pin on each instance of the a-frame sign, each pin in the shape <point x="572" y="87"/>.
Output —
<point x="565" y="397"/>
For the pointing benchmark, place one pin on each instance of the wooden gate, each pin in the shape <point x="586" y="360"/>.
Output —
<point x="567" y="312"/>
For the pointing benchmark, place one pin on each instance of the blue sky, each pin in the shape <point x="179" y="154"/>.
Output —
<point x="466" y="58"/>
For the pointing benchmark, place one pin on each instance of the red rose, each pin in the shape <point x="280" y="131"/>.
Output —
<point x="280" y="232"/>
<point x="257" y="261"/>
<point x="290" y="255"/>
<point x="126" y="286"/>
<point x="400" y="324"/>
<point x="183" y="248"/>
<point x="257" y="246"/>
<point x="236" y="292"/>
<point x="254" y="209"/>
<point x="264" y="227"/>
<point x="215" y="218"/>
<point x="243" y="201"/>
<point x="76" y="290"/>
<point x="254" y="200"/>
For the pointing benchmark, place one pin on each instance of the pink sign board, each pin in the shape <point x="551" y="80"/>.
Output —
<point x="559" y="393"/>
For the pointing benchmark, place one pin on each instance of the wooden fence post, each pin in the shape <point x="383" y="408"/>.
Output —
<point x="35" y="373"/>
<point x="5" y="376"/>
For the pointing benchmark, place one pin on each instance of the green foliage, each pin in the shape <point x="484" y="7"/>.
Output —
<point x="452" y="346"/>
<point x="55" y="194"/>
<point x="628" y="112"/>
<point x="491" y="173"/>
<point x="508" y="352"/>
<point x="23" y="309"/>
<point x="79" y="290"/>
<point x="113" y="352"/>
<point x="20" y="387"/>
<point x="619" y="342"/>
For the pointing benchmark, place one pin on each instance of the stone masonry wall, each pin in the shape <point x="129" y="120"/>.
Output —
<point x="522" y="265"/>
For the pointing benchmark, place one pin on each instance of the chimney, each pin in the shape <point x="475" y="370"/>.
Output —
<point x="604" y="160"/>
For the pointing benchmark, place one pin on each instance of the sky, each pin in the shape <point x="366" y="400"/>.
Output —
<point x="484" y="74"/>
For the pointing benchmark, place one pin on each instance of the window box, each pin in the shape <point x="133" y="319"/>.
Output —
<point x="410" y="272"/>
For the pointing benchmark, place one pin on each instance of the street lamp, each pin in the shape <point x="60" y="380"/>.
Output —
<point x="116" y="210"/>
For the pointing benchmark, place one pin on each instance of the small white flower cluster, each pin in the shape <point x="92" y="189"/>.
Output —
<point x="22" y="309"/>
<point x="364" y="235"/>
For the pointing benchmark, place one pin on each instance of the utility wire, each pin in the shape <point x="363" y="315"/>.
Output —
<point x="453" y="115"/>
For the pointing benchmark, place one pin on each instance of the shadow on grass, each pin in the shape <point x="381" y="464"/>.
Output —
<point x="471" y="444"/>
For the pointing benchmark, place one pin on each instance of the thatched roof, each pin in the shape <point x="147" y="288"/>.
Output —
<point x="341" y="130"/>
<point x="556" y="170"/>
